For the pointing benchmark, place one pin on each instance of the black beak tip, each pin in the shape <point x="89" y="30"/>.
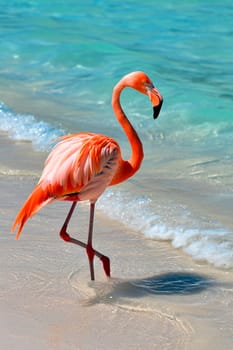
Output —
<point x="156" y="110"/>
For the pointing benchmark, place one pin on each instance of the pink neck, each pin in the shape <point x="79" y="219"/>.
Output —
<point x="135" y="142"/>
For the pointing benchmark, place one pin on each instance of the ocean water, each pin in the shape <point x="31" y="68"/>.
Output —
<point x="58" y="64"/>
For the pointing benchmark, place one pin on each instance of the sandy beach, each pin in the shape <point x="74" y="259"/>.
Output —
<point x="157" y="298"/>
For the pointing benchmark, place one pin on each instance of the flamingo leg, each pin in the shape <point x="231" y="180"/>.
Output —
<point x="89" y="249"/>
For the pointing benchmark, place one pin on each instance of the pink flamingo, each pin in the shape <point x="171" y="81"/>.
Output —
<point x="81" y="166"/>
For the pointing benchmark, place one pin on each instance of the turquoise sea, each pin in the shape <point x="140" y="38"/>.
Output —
<point x="59" y="61"/>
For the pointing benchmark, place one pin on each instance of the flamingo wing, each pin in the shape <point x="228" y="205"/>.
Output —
<point x="79" y="162"/>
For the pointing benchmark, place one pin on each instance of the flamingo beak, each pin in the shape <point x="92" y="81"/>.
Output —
<point x="156" y="109"/>
<point x="156" y="100"/>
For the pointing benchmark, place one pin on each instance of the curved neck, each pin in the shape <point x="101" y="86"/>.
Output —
<point x="135" y="142"/>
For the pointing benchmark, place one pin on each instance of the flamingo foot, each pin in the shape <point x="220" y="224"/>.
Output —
<point x="106" y="265"/>
<point x="90" y="253"/>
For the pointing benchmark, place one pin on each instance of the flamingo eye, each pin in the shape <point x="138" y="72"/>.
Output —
<point x="148" y="86"/>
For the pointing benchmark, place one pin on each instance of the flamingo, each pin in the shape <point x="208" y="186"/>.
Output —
<point x="81" y="166"/>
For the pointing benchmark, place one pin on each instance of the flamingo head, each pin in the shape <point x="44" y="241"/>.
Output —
<point x="142" y="83"/>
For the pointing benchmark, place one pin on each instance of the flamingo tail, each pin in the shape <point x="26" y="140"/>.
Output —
<point x="37" y="199"/>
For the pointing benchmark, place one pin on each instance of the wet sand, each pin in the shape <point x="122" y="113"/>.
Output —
<point x="157" y="298"/>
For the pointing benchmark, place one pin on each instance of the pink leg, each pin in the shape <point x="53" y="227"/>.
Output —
<point x="89" y="249"/>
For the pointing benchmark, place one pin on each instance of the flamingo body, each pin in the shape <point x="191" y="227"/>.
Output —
<point x="81" y="166"/>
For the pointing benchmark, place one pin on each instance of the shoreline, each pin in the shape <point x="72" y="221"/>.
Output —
<point x="46" y="297"/>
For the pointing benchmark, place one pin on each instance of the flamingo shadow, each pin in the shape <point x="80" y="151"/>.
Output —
<point x="172" y="283"/>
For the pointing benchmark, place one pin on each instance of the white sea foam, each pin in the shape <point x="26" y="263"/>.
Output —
<point x="206" y="241"/>
<point x="27" y="127"/>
